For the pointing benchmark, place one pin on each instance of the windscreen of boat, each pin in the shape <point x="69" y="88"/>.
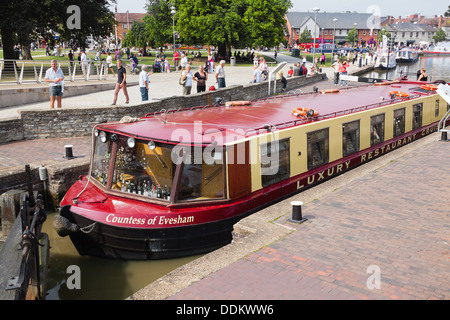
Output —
<point x="143" y="167"/>
<point x="202" y="175"/>
<point x="148" y="168"/>
<point x="101" y="158"/>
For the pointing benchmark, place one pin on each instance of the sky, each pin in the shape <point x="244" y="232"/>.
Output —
<point x="385" y="7"/>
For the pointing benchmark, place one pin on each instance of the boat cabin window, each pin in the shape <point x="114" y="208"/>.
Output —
<point x="417" y="116"/>
<point x="144" y="168"/>
<point x="318" y="148"/>
<point x="101" y="158"/>
<point x="436" y="108"/>
<point x="399" y="122"/>
<point x="376" y="129"/>
<point x="202" y="176"/>
<point x="350" y="138"/>
<point x="275" y="161"/>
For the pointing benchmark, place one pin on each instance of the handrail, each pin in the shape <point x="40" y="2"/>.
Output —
<point x="444" y="92"/>
<point x="20" y="71"/>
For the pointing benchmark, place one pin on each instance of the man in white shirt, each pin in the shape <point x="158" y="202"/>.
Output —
<point x="220" y="75"/>
<point x="143" y="83"/>
<point x="55" y="77"/>
<point x="83" y="62"/>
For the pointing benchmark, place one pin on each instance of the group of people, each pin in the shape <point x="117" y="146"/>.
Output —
<point x="340" y="69"/>
<point x="201" y="77"/>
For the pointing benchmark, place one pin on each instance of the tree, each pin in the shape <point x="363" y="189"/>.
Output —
<point x="305" y="37"/>
<point x="439" y="36"/>
<point x="21" y="22"/>
<point x="158" y="22"/>
<point x="352" y="36"/>
<point x="137" y="36"/>
<point x="228" y="23"/>
<point x="382" y="33"/>
<point x="447" y="13"/>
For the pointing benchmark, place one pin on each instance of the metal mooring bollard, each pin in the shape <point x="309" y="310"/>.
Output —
<point x="297" y="212"/>
<point x="443" y="135"/>
<point x="69" y="153"/>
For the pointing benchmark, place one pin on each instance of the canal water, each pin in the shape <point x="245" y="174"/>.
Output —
<point x="437" y="68"/>
<point x="101" y="279"/>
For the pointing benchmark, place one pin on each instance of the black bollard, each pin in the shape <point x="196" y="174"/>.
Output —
<point x="443" y="135"/>
<point x="297" y="212"/>
<point x="69" y="153"/>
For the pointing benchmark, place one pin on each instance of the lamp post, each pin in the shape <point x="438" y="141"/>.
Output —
<point x="173" y="12"/>
<point x="334" y="35"/>
<point x="315" y="9"/>
<point x="354" y="34"/>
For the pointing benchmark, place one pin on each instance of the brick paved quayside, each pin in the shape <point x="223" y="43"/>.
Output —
<point x="395" y="219"/>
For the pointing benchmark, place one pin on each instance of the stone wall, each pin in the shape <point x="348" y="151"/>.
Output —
<point x="35" y="124"/>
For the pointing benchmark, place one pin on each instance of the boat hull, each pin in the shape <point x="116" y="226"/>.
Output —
<point x="125" y="243"/>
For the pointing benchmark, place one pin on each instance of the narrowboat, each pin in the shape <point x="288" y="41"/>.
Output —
<point x="441" y="49"/>
<point x="407" y="55"/>
<point x="386" y="61"/>
<point x="174" y="183"/>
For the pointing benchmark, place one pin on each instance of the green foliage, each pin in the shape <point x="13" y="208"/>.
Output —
<point x="305" y="37"/>
<point x="352" y="36"/>
<point x="439" y="36"/>
<point x="382" y="33"/>
<point x="23" y="21"/>
<point x="447" y="13"/>
<point x="227" y="23"/>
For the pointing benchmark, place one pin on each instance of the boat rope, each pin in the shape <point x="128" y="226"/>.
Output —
<point x="89" y="228"/>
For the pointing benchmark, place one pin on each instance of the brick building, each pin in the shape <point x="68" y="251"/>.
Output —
<point x="332" y="26"/>
<point x="125" y="21"/>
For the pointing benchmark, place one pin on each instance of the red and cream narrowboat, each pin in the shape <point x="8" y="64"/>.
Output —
<point x="173" y="184"/>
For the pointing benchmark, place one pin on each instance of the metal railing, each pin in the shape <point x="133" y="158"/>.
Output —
<point x="33" y="71"/>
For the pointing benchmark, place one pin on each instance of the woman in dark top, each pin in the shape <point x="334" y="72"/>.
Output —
<point x="201" y="76"/>
<point x="423" y="76"/>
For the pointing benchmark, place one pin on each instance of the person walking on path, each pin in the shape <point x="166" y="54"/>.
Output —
<point x="257" y="75"/>
<point x="83" y="61"/>
<point x="121" y="82"/>
<point x="336" y="66"/>
<point x="201" y="77"/>
<point x="176" y="60"/>
<point x="109" y="64"/>
<point x="186" y="75"/>
<point x="55" y="77"/>
<point x="143" y="83"/>
<point x="220" y="75"/>
<point x="342" y="72"/>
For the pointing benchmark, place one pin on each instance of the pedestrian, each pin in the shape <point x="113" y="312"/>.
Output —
<point x="55" y="78"/>
<point x="280" y="76"/>
<point x="109" y="64"/>
<point x="323" y="59"/>
<point x="211" y="64"/>
<point x="423" y="75"/>
<point x="201" y="77"/>
<point x="184" y="61"/>
<point x="83" y="61"/>
<point x="71" y="58"/>
<point x="166" y="65"/>
<point x="257" y="75"/>
<point x="176" y="59"/>
<point x="121" y="82"/>
<point x="296" y="70"/>
<point x="342" y="72"/>
<point x="186" y="77"/>
<point x="144" y="83"/>
<point x="220" y="75"/>
<point x="290" y="72"/>
<point x="336" y="66"/>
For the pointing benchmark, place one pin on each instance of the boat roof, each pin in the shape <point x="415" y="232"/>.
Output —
<point x="203" y="125"/>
